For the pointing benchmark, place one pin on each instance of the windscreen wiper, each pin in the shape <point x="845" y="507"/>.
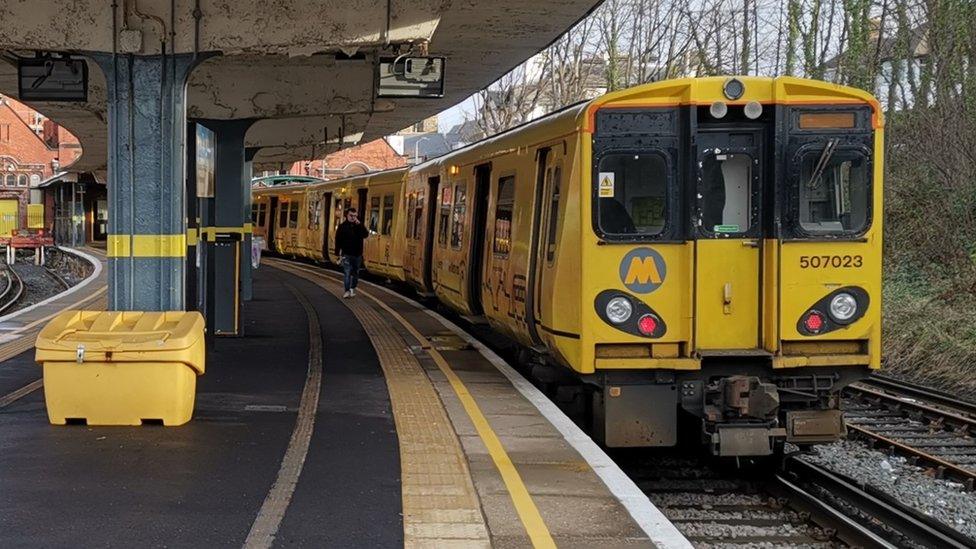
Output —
<point x="822" y="164"/>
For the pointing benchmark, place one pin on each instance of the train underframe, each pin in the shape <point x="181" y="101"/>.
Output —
<point x="739" y="406"/>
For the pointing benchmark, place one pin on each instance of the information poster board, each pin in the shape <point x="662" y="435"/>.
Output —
<point x="205" y="162"/>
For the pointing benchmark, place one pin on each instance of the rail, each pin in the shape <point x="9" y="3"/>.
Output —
<point x="13" y="292"/>
<point x="895" y="418"/>
<point x="928" y="394"/>
<point x="881" y="508"/>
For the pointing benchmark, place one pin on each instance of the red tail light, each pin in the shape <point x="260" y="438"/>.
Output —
<point x="647" y="324"/>
<point x="814" y="322"/>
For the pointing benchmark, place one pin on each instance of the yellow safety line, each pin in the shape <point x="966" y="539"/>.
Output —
<point x="10" y="398"/>
<point x="146" y="245"/>
<point x="275" y="504"/>
<point x="527" y="511"/>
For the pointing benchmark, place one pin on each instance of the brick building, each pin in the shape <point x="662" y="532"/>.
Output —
<point x="32" y="150"/>
<point x="374" y="156"/>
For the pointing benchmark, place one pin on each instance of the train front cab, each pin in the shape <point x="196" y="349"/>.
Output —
<point x="733" y="267"/>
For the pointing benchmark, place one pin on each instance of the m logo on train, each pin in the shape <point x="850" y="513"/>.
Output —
<point x="643" y="270"/>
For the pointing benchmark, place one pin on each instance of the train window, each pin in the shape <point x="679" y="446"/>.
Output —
<point x="262" y="213"/>
<point x="374" y="214"/>
<point x="556" y="175"/>
<point x="457" y="220"/>
<point x="314" y="212"/>
<point x="418" y="214"/>
<point x="411" y="199"/>
<point x="388" y="214"/>
<point x="337" y="213"/>
<point x="632" y="193"/>
<point x="293" y="215"/>
<point x="503" y="215"/>
<point x="835" y="191"/>
<point x="445" y="216"/>
<point x="283" y="214"/>
<point x="258" y="214"/>
<point x="726" y="193"/>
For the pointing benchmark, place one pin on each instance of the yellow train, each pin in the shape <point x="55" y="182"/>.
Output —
<point x="697" y="248"/>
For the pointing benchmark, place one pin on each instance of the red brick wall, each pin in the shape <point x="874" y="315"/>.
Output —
<point x="377" y="155"/>
<point x="22" y="152"/>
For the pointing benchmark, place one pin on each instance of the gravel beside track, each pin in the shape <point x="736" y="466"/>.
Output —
<point x="947" y="502"/>
<point x="62" y="270"/>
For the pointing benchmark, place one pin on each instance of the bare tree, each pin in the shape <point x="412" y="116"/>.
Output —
<point x="510" y="101"/>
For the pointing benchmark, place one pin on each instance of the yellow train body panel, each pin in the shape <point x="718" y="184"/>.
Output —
<point x="686" y="242"/>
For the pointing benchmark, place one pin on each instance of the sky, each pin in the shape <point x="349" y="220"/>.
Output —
<point x="455" y="115"/>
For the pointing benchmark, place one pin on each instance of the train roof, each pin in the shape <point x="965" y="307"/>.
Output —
<point x="682" y="91"/>
<point x="279" y="180"/>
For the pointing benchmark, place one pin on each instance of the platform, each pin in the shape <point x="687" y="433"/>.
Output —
<point x="360" y="422"/>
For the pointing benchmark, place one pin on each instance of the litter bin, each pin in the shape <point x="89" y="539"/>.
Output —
<point x="121" y="367"/>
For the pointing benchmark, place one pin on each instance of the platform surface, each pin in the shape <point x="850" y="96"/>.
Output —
<point x="332" y="423"/>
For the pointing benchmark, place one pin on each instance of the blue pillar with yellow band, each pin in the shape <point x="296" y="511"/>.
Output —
<point x="147" y="231"/>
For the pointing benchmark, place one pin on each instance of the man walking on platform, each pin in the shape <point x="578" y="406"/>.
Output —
<point x="349" y="247"/>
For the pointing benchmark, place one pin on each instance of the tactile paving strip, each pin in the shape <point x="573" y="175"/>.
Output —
<point x="440" y="505"/>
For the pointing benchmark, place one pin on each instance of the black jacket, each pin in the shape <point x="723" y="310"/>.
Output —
<point x="349" y="238"/>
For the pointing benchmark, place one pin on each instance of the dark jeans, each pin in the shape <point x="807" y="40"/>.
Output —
<point x="350" y="270"/>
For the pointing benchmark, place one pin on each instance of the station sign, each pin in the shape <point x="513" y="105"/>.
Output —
<point x="52" y="79"/>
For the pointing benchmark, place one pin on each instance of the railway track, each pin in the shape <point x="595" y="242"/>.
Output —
<point x="930" y="428"/>
<point x="864" y="516"/>
<point x="802" y="505"/>
<point x="13" y="291"/>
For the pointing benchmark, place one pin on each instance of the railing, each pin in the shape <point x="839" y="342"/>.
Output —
<point x="35" y="216"/>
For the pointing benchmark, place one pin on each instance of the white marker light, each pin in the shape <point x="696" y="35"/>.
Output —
<point x="718" y="109"/>
<point x="843" y="307"/>
<point x="619" y="310"/>
<point x="753" y="110"/>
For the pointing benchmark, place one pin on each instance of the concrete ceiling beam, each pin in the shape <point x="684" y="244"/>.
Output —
<point x="291" y="27"/>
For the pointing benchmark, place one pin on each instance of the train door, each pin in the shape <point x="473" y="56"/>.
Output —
<point x="547" y="213"/>
<point x="431" y="203"/>
<point x="272" y="221"/>
<point x="479" y="226"/>
<point x="325" y="224"/>
<point x="361" y="201"/>
<point x="729" y="239"/>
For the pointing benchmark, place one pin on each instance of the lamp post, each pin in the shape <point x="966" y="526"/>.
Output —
<point x="416" y="149"/>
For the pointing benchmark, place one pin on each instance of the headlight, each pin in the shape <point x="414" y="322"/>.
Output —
<point x="843" y="307"/>
<point x="619" y="310"/>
